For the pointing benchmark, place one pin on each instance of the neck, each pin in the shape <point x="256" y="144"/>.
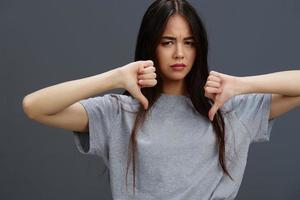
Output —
<point x="174" y="87"/>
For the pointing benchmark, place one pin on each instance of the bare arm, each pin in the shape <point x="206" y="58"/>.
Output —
<point x="53" y="99"/>
<point x="285" y="83"/>
<point x="58" y="105"/>
<point x="284" y="86"/>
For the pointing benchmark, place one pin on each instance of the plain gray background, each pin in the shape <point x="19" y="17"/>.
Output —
<point x="43" y="43"/>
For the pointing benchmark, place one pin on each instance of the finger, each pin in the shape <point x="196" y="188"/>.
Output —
<point x="143" y="100"/>
<point x="213" y="84"/>
<point x="147" y="82"/>
<point x="144" y="64"/>
<point x="214" y="78"/>
<point x="210" y="96"/>
<point x="147" y="70"/>
<point x="212" y="90"/>
<point x="213" y="111"/>
<point x="214" y="73"/>
<point x="148" y="63"/>
<point x="147" y="76"/>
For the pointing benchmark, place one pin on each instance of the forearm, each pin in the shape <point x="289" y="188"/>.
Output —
<point x="53" y="99"/>
<point x="284" y="82"/>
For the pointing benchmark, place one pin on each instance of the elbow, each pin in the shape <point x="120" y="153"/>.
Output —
<point x="27" y="107"/>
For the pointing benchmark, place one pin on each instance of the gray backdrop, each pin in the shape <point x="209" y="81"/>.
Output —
<point x="43" y="43"/>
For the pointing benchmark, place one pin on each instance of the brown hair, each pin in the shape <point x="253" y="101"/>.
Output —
<point x="151" y="29"/>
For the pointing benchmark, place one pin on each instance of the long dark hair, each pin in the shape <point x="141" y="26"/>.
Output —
<point x="151" y="30"/>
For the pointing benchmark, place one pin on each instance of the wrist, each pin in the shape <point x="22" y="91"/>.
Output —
<point x="116" y="75"/>
<point x="242" y="86"/>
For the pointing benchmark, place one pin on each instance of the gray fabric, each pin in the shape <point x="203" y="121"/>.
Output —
<point x="177" y="154"/>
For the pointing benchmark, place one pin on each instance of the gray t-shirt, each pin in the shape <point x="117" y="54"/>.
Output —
<point x="177" y="154"/>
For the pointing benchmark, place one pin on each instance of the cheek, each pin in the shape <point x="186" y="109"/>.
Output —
<point x="192" y="56"/>
<point x="162" y="56"/>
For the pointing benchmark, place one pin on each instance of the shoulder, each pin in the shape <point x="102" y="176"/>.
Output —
<point x="246" y="101"/>
<point x="125" y="102"/>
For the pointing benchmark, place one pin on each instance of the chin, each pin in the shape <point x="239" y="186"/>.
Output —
<point x="176" y="78"/>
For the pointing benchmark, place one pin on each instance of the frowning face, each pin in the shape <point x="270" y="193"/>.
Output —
<point x="176" y="46"/>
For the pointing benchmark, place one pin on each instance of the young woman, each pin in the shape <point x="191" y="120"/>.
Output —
<point x="180" y="131"/>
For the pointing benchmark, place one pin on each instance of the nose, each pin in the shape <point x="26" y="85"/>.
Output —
<point x="178" y="52"/>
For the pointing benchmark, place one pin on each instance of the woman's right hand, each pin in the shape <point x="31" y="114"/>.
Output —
<point x="137" y="75"/>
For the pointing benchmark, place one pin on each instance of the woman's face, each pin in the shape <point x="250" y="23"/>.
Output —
<point x="176" y="47"/>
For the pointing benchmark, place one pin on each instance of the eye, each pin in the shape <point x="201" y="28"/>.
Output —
<point x="167" y="43"/>
<point x="190" y="43"/>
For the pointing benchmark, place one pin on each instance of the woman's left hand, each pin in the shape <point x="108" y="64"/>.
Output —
<point x="219" y="88"/>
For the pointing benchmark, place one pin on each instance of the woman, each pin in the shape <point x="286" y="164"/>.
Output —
<point x="184" y="131"/>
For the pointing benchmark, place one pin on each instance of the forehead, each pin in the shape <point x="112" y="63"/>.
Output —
<point x="177" y="26"/>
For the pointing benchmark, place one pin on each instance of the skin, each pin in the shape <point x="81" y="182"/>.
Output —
<point x="56" y="105"/>
<point x="284" y="86"/>
<point x="176" y="46"/>
<point x="137" y="75"/>
<point x="219" y="87"/>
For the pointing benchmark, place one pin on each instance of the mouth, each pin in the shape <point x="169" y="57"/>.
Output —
<point x="178" y="66"/>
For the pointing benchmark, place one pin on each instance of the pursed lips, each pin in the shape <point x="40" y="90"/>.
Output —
<point x="178" y="65"/>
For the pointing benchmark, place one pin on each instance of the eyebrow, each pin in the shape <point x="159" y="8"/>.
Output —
<point x="173" y="38"/>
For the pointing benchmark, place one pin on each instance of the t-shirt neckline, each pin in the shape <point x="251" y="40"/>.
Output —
<point x="174" y="96"/>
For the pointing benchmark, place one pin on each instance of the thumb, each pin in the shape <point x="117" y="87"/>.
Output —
<point x="141" y="98"/>
<point x="213" y="111"/>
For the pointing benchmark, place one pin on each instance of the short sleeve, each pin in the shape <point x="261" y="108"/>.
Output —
<point x="102" y="112"/>
<point x="253" y="111"/>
